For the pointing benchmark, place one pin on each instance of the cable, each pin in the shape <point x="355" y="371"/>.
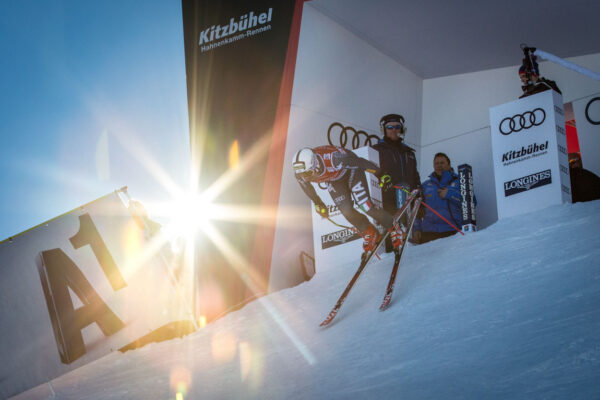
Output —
<point x="567" y="64"/>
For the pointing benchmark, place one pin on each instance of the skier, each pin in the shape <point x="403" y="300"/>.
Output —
<point x="344" y="173"/>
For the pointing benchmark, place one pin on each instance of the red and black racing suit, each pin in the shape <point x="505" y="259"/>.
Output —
<point x="344" y="174"/>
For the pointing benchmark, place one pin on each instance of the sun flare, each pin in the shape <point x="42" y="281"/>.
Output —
<point x="192" y="217"/>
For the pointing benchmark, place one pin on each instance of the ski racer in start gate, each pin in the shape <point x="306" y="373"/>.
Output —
<point x="344" y="174"/>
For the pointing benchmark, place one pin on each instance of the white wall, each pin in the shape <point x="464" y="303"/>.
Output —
<point x="456" y="118"/>
<point x="338" y="78"/>
<point x="341" y="78"/>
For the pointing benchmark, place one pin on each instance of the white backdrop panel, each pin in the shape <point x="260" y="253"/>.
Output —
<point x="587" y="120"/>
<point x="529" y="148"/>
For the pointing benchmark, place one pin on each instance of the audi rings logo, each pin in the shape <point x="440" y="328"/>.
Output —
<point x="356" y="136"/>
<point x="523" y="121"/>
<point x="587" y="112"/>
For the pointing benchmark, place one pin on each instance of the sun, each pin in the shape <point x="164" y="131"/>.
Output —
<point x="191" y="213"/>
<point x="193" y="216"/>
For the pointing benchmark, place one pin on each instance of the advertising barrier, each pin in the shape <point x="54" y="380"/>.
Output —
<point x="333" y="244"/>
<point x="78" y="287"/>
<point x="467" y="194"/>
<point x="587" y="119"/>
<point x="240" y="60"/>
<point x="529" y="146"/>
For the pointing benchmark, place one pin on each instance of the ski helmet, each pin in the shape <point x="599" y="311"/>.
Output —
<point x="305" y="162"/>
<point x="392" y="118"/>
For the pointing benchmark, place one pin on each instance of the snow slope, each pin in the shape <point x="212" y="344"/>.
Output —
<point x="511" y="312"/>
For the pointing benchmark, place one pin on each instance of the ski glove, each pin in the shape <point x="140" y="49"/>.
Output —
<point x="322" y="210"/>
<point x="385" y="182"/>
<point x="421" y="212"/>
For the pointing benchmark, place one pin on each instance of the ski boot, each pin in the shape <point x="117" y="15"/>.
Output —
<point x="371" y="237"/>
<point x="397" y="236"/>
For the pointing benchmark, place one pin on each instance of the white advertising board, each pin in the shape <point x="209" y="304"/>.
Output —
<point x="77" y="287"/>
<point x="587" y="120"/>
<point x="335" y="245"/>
<point x="529" y="147"/>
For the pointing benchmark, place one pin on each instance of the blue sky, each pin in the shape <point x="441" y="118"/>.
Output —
<point x="92" y="94"/>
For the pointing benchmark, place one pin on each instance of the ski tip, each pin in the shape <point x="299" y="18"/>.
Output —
<point x="386" y="303"/>
<point x="329" y="318"/>
<point x="326" y="322"/>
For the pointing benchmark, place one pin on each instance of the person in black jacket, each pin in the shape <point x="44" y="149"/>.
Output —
<point x="397" y="159"/>
<point x="585" y="185"/>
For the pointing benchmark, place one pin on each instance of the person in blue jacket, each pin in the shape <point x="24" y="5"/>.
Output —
<point x="442" y="193"/>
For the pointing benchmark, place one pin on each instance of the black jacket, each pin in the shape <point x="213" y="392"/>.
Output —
<point x="398" y="160"/>
<point x="344" y="160"/>
<point x="585" y="185"/>
<point x="540" y="86"/>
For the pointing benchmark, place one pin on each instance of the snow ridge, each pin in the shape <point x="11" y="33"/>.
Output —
<point x="510" y="312"/>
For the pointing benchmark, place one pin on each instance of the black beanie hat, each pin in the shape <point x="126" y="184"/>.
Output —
<point x="391" y="118"/>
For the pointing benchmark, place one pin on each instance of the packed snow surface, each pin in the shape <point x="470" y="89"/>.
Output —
<point x="510" y="312"/>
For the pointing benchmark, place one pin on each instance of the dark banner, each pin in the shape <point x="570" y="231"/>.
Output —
<point x="240" y="59"/>
<point x="467" y="194"/>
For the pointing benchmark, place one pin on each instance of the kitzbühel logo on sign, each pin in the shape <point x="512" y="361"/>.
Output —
<point x="518" y="122"/>
<point x="245" y="22"/>
<point x="525" y="153"/>
<point x="527" y="182"/>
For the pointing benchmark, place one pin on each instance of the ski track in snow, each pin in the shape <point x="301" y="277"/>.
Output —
<point x="508" y="312"/>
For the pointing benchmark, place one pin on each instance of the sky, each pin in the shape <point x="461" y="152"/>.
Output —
<point x="510" y="312"/>
<point x="93" y="99"/>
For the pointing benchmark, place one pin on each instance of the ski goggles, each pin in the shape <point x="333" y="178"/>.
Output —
<point x="393" y="126"/>
<point x="301" y="170"/>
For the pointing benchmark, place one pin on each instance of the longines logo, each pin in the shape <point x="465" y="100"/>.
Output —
<point x="527" y="182"/>
<point x="466" y="183"/>
<point x="240" y="28"/>
<point x="524" y="153"/>
<point x="339" y="237"/>
<point x="519" y="122"/>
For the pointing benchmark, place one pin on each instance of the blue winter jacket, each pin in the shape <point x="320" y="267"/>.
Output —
<point x="449" y="208"/>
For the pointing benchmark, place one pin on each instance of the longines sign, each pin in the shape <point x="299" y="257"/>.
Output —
<point x="339" y="237"/>
<point x="529" y="149"/>
<point x="527" y="182"/>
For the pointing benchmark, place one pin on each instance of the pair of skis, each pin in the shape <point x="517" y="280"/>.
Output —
<point x="366" y="257"/>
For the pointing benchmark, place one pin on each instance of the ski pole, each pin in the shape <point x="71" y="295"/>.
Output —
<point x="435" y="212"/>
<point x="342" y="226"/>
